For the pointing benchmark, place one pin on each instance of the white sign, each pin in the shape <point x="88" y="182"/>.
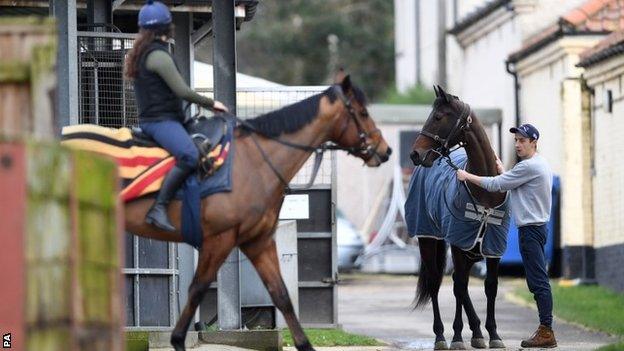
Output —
<point x="295" y="207"/>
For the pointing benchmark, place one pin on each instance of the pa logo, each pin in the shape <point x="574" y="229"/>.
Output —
<point x="6" y="341"/>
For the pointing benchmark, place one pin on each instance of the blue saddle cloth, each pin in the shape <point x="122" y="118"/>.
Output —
<point x="192" y="191"/>
<point x="438" y="206"/>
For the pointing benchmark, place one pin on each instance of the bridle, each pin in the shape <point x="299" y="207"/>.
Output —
<point x="461" y="125"/>
<point x="444" y="148"/>
<point x="364" y="150"/>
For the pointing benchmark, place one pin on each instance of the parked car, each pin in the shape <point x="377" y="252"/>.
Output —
<point x="349" y="241"/>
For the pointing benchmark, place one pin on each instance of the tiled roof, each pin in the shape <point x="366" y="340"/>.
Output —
<point x="611" y="46"/>
<point x="592" y="17"/>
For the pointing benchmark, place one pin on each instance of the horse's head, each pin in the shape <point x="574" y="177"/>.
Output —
<point x="355" y="129"/>
<point x="443" y="129"/>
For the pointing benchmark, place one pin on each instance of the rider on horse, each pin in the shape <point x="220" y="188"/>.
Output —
<point x="159" y="90"/>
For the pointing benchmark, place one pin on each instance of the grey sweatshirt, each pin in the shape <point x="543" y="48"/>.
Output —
<point x="529" y="183"/>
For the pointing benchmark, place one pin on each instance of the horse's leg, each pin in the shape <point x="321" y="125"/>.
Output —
<point x="433" y="260"/>
<point x="491" y="289"/>
<point x="477" y="340"/>
<point x="460" y="287"/>
<point x="214" y="251"/>
<point x="267" y="265"/>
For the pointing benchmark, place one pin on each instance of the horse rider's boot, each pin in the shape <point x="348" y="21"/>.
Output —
<point x="544" y="337"/>
<point x="157" y="215"/>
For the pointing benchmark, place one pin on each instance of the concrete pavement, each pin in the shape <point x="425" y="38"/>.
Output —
<point x="379" y="306"/>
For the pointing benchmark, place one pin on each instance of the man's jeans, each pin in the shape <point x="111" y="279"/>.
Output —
<point x="532" y="240"/>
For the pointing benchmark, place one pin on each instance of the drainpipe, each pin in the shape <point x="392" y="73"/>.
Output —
<point x="511" y="69"/>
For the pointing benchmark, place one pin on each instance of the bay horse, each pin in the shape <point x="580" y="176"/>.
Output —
<point x="452" y="123"/>
<point x="269" y="151"/>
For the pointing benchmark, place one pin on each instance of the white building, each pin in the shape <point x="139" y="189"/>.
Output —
<point x="604" y="75"/>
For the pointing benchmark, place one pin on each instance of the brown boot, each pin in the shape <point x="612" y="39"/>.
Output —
<point x="543" y="337"/>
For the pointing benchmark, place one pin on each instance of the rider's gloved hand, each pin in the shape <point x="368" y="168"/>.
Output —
<point x="218" y="106"/>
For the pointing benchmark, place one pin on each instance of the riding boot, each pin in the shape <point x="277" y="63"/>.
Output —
<point x="157" y="215"/>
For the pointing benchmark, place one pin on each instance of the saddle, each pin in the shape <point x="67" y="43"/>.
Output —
<point x="207" y="135"/>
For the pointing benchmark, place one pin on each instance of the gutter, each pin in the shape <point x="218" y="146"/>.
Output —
<point x="511" y="69"/>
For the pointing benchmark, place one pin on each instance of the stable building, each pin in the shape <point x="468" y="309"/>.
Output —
<point x="604" y="76"/>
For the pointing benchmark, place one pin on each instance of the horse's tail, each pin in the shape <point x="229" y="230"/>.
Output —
<point x="432" y="267"/>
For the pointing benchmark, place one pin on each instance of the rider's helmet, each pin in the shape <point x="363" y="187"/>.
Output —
<point x="154" y="14"/>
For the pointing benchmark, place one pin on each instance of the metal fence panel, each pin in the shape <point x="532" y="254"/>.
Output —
<point x="106" y="98"/>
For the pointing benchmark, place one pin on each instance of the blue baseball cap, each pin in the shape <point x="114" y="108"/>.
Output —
<point x="527" y="131"/>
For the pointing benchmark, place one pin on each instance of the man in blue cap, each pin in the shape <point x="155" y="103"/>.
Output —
<point x="529" y="183"/>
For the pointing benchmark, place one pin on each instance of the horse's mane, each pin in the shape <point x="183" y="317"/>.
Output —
<point x="293" y="117"/>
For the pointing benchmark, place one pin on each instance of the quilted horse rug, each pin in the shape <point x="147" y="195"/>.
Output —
<point x="142" y="169"/>
<point x="438" y="206"/>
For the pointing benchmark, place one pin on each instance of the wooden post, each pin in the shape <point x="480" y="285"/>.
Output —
<point x="61" y="282"/>
<point x="27" y="76"/>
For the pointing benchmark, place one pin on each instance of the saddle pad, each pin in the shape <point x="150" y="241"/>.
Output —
<point x="438" y="206"/>
<point x="142" y="169"/>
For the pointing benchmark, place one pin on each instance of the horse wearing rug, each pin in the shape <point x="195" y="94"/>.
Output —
<point x="266" y="152"/>
<point x="439" y="209"/>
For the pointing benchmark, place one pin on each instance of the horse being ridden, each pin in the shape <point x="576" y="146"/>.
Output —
<point x="436" y="211"/>
<point x="269" y="151"/>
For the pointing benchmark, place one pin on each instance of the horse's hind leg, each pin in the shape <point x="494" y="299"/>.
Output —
<point x="215" y="250"/>
<point x="491" y="289"/>
<point x="267" y="265"/>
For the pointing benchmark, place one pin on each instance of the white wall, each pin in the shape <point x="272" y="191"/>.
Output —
<point x="428" y="42"/>
<point x="551" y="100"/>
<point x="540" y="100"/>
<point x="608" y="182"/>
<point x="405" y="43"/>
<point x="479" y="77"/>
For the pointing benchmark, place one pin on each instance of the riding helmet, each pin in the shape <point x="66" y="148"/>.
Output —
<point x="154" y="14"/>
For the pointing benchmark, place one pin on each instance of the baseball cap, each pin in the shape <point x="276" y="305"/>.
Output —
<point x="526" y="130"/>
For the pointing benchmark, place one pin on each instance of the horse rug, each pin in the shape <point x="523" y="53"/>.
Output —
<point x="142" y="169"/>
<point x="438" y="206"/>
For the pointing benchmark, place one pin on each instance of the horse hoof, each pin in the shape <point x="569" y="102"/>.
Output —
<point x="497" y="344"/>
<point x="177" y="342"/>
<point x="478" y="343"/>
<point x="458" y="345"/>
<point x="440" y="345"/>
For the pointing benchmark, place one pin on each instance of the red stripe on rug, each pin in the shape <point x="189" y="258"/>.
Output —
<point x="137" y="161"/>
<point x="134" y="190"/>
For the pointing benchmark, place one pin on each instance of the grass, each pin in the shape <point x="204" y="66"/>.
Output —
<point x="613" y="347"/>
<point x="137" y="341"/>
<point x="592" y="306"/>
<point x="332" y="337"/>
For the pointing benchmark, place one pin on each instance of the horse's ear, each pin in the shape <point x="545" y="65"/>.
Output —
<point x="443" y="94"/>
<point x="346" y="83"/>
<point x="339" y="76"/>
